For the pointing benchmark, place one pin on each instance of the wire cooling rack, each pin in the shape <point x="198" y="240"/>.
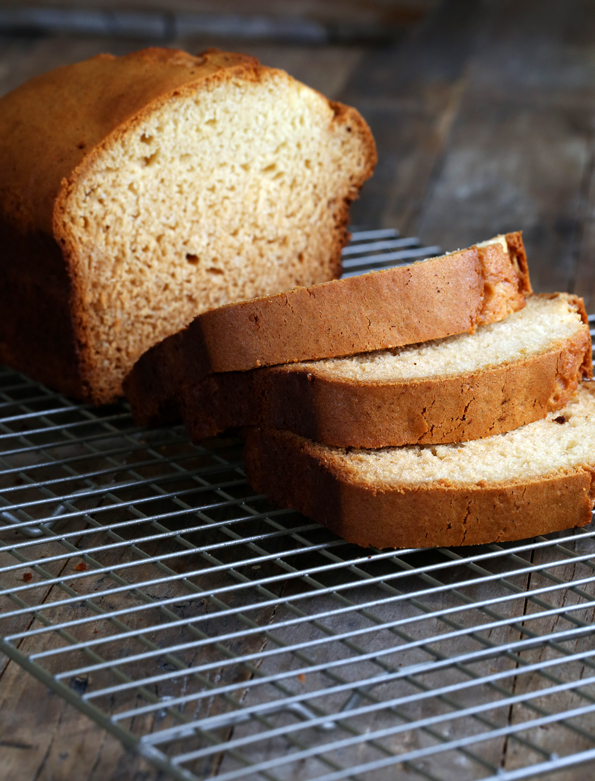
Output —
<point x="145" y="582"/>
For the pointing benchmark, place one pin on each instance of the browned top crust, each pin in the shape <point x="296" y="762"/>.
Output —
<point x="54" y="129"/>
<point x="428" y="300"/>
<point x="371" y="498"/>
<point x="294" y="473"/>
<point x="96" y="97"/>
<point x="375" y="413"/>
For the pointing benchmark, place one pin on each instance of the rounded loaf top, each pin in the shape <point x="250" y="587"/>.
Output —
<point x="139" y="191"/>
<point x="52" y="123"/>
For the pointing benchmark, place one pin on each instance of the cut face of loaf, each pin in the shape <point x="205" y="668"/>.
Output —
<point x="152" y="187"/>
<point x="385" y="309"/>
<point x="503" y="376"/>
<point x="534" y="480"/>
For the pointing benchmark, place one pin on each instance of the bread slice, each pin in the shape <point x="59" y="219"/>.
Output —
<point x="503" y="376"/>
<point x="431" y="299"/>
<point x="537" y="479"/>
<point x="139" y="191"/>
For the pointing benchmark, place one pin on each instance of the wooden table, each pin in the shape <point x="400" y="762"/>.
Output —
<point x="484" y="119"/>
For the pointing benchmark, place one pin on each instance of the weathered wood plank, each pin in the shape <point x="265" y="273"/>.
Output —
<point x="409" y="144"/>
<point x="558" y="738"/>
<point x="537" y="51"/>
<point x="450" y="766"/>
<point x="584" y="284"/>
<point x="484" y="123"/>
<point x="398" y="12"/>
<point x="410" y="94"/>
<point x="44" y="737"/>
<point x="326" y="68"/>
<point x="520" y="152"/>
<point x="417" y="70"/>
<point x="584" y="281"/>
<point x="512" y="167"/>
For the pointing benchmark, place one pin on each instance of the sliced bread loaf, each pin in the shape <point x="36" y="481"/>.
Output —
<point x="463" y="387"/>
<point x="537" y="479"/>
<point x="139" y="191"/>
<point x="431" y="299"/>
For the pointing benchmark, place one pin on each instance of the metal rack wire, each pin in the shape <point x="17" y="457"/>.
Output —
<point x="219" y="636"/>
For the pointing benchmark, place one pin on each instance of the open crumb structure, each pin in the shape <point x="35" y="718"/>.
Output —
<point x="144" y="581"/>
<point x="139" y="191"/>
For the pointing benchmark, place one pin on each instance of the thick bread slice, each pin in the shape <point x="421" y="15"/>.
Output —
<point x="503" y="376"/>
<point x="139" y="191"/>
<point x="431" y="299"/>
<point x="534" y="480"/>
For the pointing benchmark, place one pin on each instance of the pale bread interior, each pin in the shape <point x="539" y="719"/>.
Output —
<point x="539" y="327"/>
<point x="497" y="241"/>
<point x="500" y="239"/>
<point x="563" y="441"/>
<point x="234" y="191"/>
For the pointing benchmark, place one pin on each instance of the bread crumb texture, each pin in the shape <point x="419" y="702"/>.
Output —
<point x="560" y="443"/>
<point x="540" y="326"/>
<point x="234" y="187"/>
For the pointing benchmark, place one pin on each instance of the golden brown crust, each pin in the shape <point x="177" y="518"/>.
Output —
<point x="516" y="250"/>
<point x="284" y="466"/>
<point x="374" y="414"/>
<point x="99" y="96"/>
<point x="404" y="305"/>
<point x="505" y="279"/>
<point x="43" y="159"/>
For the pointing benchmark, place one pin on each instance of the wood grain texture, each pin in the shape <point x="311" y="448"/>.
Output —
<point x="579" y="733"/>
<point x="484" y="122"/>
<point x="410" y="94"/>
<point x="513" y="164"/>
<point x="325" y="68"/>
<point x="520" y="149"/>
<point x="42" y="737"/>
<point x="353" y="11"/>
<point x="537" y="51"/>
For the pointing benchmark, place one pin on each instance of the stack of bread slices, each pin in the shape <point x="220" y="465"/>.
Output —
<point x="435" y="404"/>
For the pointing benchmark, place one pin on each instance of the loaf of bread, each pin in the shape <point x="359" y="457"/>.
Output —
<point x="139" y="191"/>
<point x="503" y="376"/>
<point x="431" y="299"/>
<point x="537" y="479"/>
